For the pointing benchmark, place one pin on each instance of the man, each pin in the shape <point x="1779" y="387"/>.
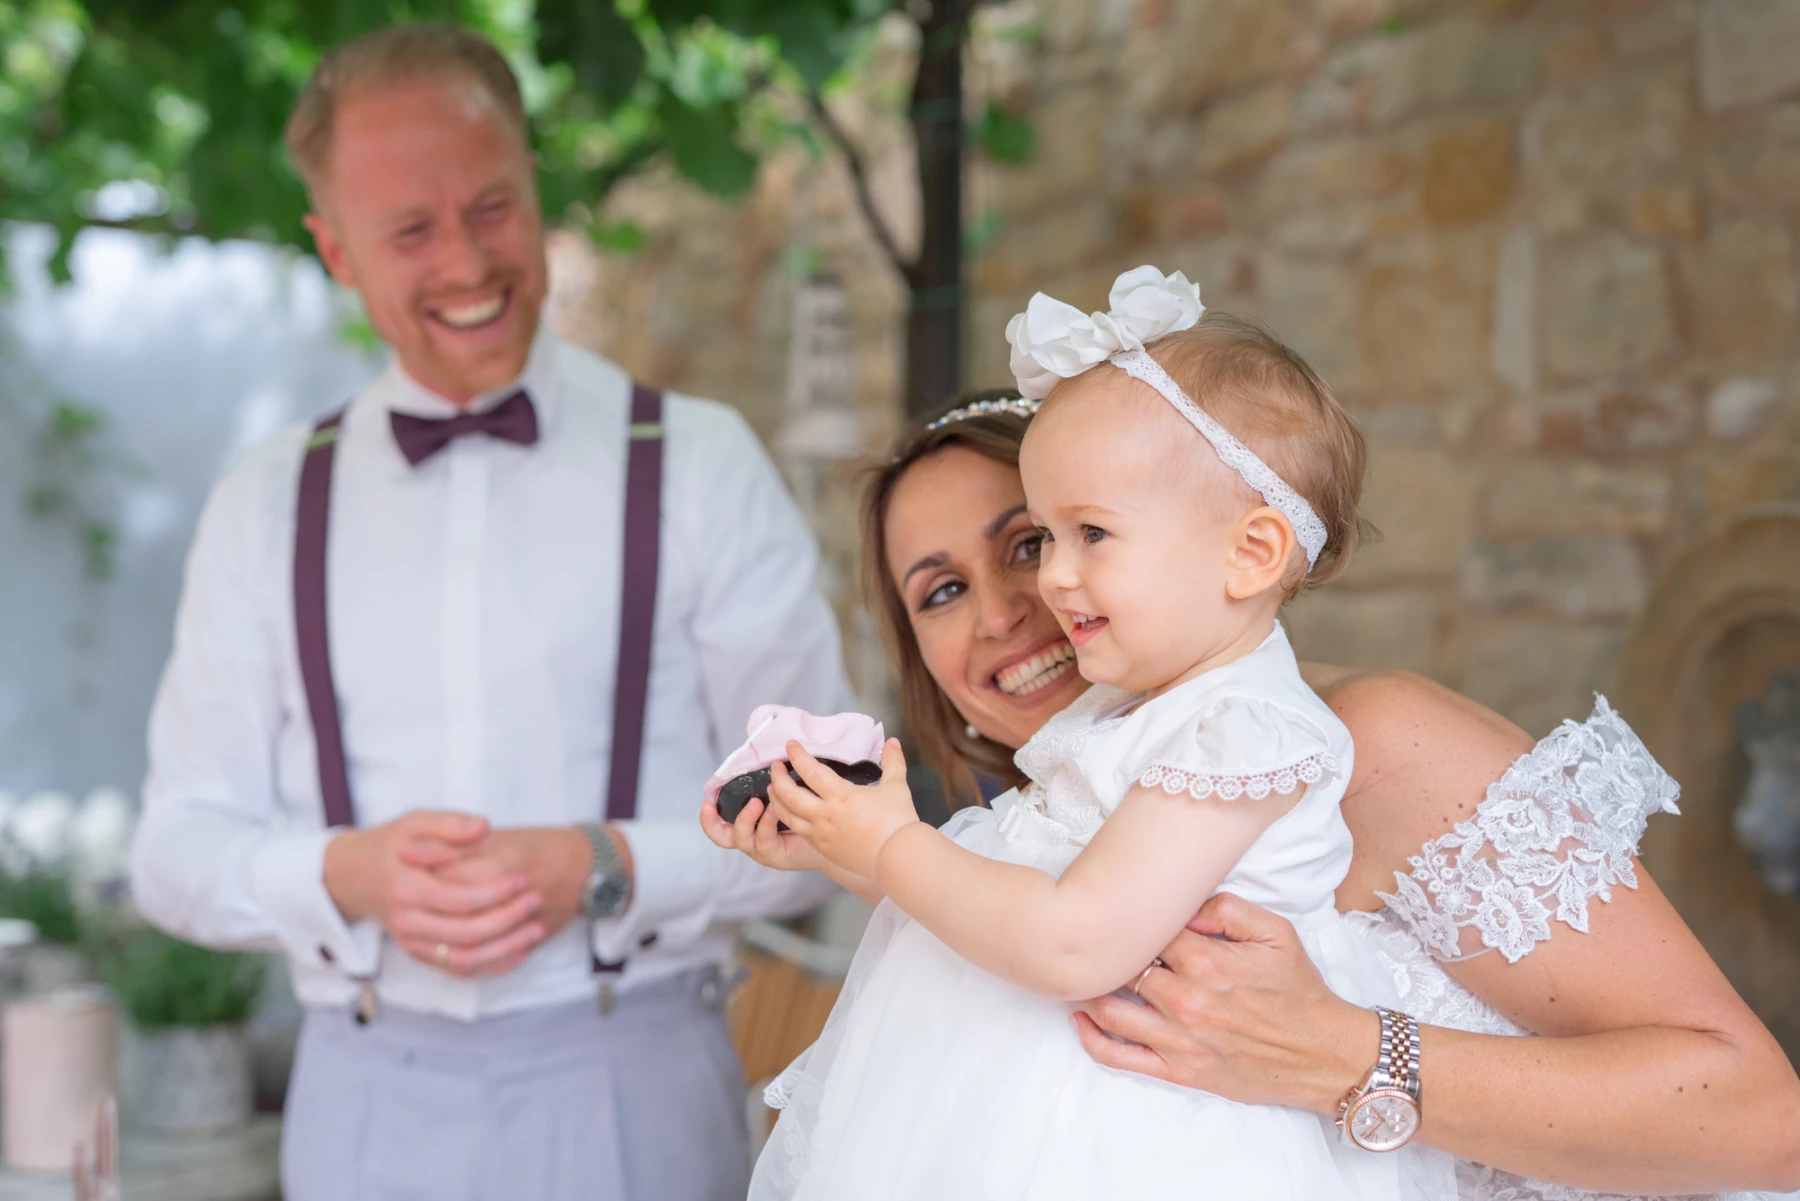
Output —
<point x="506" y="997"/>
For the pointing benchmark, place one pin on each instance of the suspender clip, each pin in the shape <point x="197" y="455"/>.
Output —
<point x="368" y="1007"/>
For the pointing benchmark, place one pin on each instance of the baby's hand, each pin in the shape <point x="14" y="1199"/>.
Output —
<point x="758" y="834"/>
<point x="846" y="824"/>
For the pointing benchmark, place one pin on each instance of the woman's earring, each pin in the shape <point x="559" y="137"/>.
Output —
<point x="971" y="731"/>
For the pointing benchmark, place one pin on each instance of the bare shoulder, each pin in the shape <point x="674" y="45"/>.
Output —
<point x="1425" y="756"/>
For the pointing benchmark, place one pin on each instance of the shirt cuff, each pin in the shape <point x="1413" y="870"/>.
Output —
<point x="675" y="878"/>
<point x="288" y="874"/>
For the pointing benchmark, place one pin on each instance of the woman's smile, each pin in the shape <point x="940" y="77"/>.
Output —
<point x="1036" y="669"/>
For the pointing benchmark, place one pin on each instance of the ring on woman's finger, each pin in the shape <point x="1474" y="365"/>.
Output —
<point x="442" y="953"/>
<point x="1145" y="975"/>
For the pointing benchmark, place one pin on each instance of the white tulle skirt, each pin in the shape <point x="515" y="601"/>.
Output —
<point x="935" y="1081"/>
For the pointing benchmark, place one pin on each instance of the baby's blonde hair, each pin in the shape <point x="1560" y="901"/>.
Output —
<point x="1267" y="396"/>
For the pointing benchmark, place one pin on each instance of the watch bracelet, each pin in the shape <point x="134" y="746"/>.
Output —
<point x="1396" y="1061"/>
<point x="1399" y="1058"/>
<point x="607" y="862"/>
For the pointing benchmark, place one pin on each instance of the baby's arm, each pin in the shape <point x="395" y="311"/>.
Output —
<point x="1137" y="883"/>
<point x="1142" y="877"/>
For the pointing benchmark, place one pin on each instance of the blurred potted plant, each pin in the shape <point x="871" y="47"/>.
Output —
<point x="36" y="887"/>
<point x="189" y="1006"/>
<point x="62" y="866"/>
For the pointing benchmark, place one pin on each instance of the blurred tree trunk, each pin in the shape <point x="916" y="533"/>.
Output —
<point x="934" y="320"/>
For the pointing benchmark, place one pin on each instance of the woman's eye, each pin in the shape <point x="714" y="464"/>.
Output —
<point x="1044" y="537"/>
<point x="1091" y="534"/>
<point x="1027" y="551"/>
<point x="943" y="594"/>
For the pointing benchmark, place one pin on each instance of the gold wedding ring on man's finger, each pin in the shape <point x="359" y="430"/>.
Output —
<point x="1145" y="975"/>
<point x="442" y="953"/>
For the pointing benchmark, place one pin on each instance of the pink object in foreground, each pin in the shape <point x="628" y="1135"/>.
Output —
<point x="845" y="737"/>
<point x="57" y="1071"/>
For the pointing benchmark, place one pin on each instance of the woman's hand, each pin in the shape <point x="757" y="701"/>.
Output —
<point x="758" y="834"/>
<point x="846" y="824"/>
<point x="1241" y="1011"/>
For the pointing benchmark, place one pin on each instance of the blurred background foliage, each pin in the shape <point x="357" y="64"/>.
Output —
<point x="165" y="116"/>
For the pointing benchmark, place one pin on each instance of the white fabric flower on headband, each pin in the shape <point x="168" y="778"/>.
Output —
<point x="1054" y="341"/>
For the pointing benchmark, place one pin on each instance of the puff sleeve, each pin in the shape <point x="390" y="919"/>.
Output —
<point x="1233" y="746"/>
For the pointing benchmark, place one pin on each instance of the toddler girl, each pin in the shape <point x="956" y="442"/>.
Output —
<point x="1198" y="762"/>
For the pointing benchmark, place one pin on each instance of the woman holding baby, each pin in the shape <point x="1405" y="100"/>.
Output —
<point x="1324" y="904"/>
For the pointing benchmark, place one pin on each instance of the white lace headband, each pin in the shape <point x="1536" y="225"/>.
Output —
<point x="1054" y="341"/>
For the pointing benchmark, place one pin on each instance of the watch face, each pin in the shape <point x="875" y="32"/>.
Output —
<point x="609" y="896"/>
<point x="1383" y="1120"/>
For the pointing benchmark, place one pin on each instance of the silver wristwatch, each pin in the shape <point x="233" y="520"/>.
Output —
<point x="1382" y="1113"/>
<point x="608" y="888"/>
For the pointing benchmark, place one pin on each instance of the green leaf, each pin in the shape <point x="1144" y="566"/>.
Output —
<point x="599" y="44"/>
<point x="60" y="272"/>
<point x="620" y="237"/>
<point x="47" y="500"/>
<point x="812" y="41"/>
<point x="99" y="551"/>
<point x="359" y="334"/>
<point x="815" y="37"/>
<point x="71" y="422"/>
<point x="981" y="232"/>
<point x="1004" y="137"/>
<point x="703" y="142"/>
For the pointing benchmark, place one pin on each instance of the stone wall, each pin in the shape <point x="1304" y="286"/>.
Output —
<point x="1544" y="250"/>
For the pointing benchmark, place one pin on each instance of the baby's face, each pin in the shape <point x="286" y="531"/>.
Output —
<point x="1139" y="520"/>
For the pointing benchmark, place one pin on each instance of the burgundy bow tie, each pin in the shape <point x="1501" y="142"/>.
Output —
<point x="513" y="420"/>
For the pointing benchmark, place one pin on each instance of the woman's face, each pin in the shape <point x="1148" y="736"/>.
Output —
<point x="965" y="556"/>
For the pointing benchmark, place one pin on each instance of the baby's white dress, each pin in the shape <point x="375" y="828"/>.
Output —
<point x="936" y="1080"/>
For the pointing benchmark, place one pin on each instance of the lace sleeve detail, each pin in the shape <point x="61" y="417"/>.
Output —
<point x="1229" y="787"/>
<point x="1238" y="745"/>
<point x="1560" y="828"/>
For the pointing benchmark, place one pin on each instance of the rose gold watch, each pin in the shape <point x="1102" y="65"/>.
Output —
<point x="1382" y="1113"/>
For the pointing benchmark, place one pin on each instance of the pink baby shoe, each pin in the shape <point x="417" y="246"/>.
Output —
<point x="850" y="743"/>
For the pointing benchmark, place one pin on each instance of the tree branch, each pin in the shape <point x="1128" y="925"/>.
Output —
<point x="859" y="178"/>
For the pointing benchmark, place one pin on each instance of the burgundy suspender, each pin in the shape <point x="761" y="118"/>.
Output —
<point x="310" y="529"/>
<point x="637" y="610"/>
<point x="637" y="615"/>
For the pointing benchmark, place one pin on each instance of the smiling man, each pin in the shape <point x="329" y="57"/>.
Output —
<point x="449" y="671"/>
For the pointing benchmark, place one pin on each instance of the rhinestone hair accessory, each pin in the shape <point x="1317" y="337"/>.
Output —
<point x="1017" y="406"/>
<point x="1053" y="341"/>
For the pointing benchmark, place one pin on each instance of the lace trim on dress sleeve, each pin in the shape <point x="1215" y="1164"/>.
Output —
<point x="1257" y="785"/>
<point x="1558" y="829"/>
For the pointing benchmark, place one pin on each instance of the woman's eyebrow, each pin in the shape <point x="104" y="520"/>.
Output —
<point x="925" y="564"/>
<point x="1001" y="521"/>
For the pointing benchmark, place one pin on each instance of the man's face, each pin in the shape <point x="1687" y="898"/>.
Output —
<point x="429" y="210"/>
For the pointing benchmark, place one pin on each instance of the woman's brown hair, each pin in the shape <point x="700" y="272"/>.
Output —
<point x="936" y="727"/>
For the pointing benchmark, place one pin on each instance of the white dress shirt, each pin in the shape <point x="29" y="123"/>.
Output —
<point x="474" y="604"/>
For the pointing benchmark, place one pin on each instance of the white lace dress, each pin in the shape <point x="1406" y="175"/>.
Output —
<point x="1558" y="831"/>
<point x="934" y="1079"/>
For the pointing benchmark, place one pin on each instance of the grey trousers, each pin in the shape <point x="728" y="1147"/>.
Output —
<point x="559" y="1104"/>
